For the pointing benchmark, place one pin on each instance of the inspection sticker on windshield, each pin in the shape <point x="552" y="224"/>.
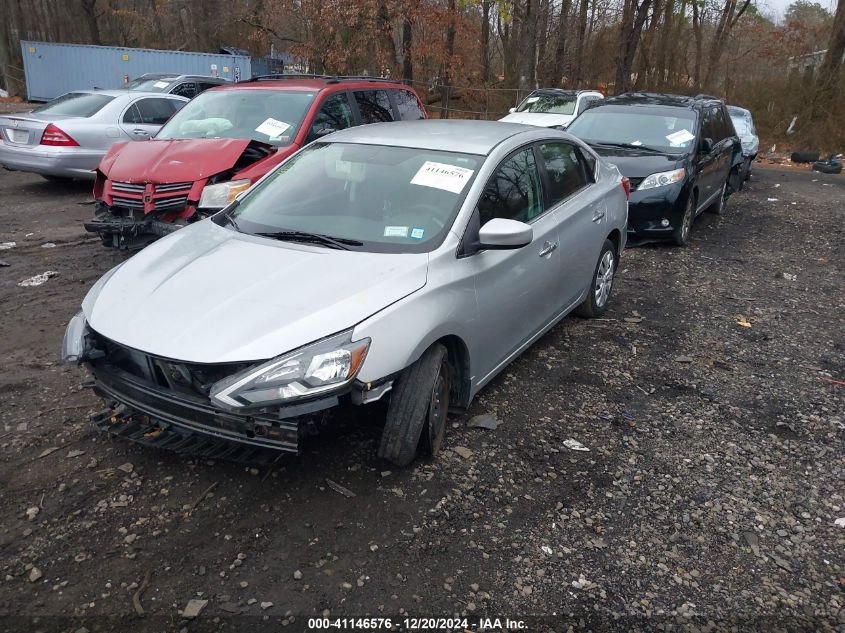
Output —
<point x="417" y="233"/>
<point x="396" y="231"/>
<point x="273" y="128"/>
<point x="442" y="176"/>
<point x="680" y="137"/>
<point x="160" y="84"/>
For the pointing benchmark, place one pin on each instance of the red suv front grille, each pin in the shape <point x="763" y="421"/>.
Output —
<point x="148" y="197"/>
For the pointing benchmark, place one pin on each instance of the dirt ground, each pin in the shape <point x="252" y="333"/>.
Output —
<point x="708" y="498"/>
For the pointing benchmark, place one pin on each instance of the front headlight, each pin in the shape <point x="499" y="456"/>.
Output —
<point x="311" y="370"/>
<point x="662" y="179"/>
<point x="218" y="196"/>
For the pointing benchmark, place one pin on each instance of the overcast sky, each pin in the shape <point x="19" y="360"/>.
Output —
<point x="778" y="7"/>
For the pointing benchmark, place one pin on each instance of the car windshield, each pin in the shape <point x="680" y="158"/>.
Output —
<point x="548" y="103"/>
<point x="270" y="116"/>
<point x="81" y="104"/>
<point x="150" y="84"/>
<point x="671" y="130"/>
<point x="365" y="197"/>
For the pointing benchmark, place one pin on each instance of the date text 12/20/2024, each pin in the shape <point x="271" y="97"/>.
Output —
<point x="418" y="624"/>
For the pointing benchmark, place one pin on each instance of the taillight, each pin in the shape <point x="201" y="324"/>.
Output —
<point x="54" y="136"/>
<point x="626" y="185"/>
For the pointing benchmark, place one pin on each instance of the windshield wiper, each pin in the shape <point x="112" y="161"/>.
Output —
<point x="312" y="238"/>
<point x="629" y="146"/>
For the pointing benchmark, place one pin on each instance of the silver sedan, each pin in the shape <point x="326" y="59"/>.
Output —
<point x="68" y="136"/>
<point x="413" y="259"/>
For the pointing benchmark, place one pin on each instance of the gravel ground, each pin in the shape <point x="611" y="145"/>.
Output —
<point x="710" y="401"/>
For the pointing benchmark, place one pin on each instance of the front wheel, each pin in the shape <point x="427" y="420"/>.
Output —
<point x="721" y="202"/>
<point x="419" y="405"/>
<point x="680" y="236"/>
<point x="595" y="303"/>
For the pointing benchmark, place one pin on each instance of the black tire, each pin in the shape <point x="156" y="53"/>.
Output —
<point x="804" y="157"/>
<point x="720" y="204"/>
<point x="595" y="303"/>
<point x="828" y="167"/>
<point x="419" y="402"/>
<point x="680" y="236"/>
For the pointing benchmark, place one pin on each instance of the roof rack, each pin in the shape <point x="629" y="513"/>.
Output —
<point x="332" y="79"/>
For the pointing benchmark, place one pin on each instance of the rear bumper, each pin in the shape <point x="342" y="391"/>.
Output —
<point x="152" y="407"/>
<point x="68" y="162"/>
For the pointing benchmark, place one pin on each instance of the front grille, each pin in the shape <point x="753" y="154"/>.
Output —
<point x="166" y="204"/>
<point x="128" y="187"/>
<point x="172" y="186"/>
<point x="127" y="203"/>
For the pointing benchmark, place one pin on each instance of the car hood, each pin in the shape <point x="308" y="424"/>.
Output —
<point x="636" y="164"/>
<point x="542" y="119"/>
<point x="172" y="160"/>
<point x="206" y="294"/>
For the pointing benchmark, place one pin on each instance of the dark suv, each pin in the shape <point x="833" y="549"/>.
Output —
<point x="681" y="154"/>
<point x="223" y="141"/>
<point x="188" y="86"/>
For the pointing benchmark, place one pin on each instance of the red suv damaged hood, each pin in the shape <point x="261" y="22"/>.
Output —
<point x="176" y="160"/>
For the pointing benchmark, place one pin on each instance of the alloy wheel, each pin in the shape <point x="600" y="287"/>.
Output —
<point x="604" y="278"/>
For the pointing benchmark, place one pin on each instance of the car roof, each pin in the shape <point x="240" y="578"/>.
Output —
<point x="732" y="109"/>
<point x="315" y="83"/>
<point x="564" y="91"/>
<point x="449" y="135"/>
<point x="662" y="99"/>
<point x="124" y="92"/>
<point x="174" y="77"/>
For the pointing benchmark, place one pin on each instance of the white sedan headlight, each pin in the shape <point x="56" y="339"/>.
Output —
<point x="220" y="195"/>
<point x="311" y="370"/>
<point x="662" y="179"/>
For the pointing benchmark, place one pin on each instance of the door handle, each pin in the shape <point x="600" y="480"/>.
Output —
<point x="140" y="132"/>
<point x="598" y="215"/>
<point x="548" y="247"/>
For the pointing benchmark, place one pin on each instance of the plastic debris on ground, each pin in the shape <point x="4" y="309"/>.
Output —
<point x="575" y="445"/>
<point x="37" y="280"/>
<point x="4" y="246"/>
<point x="484" y="421"/>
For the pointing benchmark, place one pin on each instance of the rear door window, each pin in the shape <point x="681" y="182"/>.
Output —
<point x="709" y="126"/>
<point x="335" y="114"/>
<point x="408" y="105"/>
<point x="186" y="89"/>
<point x="153" y="111"/>
<point x="80" y="104"/>
<point x="374" y="106"/>
<point x="514" y="191"/>
<point x="566" y="171"/>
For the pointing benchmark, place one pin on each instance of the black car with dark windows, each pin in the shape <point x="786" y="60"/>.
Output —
<point x="681" y="155"/>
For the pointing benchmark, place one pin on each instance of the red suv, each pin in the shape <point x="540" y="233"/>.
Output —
<point x="223" y="141"/>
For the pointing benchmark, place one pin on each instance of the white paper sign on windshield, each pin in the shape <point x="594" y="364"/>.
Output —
<point x="273" y="128"/>
<point x="442" y="176"/>
<point x="160" y="84"/>
<point x="532" y="99"/>
<point x="680" y="137"/>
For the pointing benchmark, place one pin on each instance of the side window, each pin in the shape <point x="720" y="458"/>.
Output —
<point x="132" y="115"/>
<point x="408" y="106"/>
<point x="205" y="86"/>
<point x="374" y="106"/>
<point x="566" y="170"/>
<point x="187" y="89"/>
<point x="708" y="125"/>
<point x="335" y="114"/>
<point x="514" y="191"/>
<point x="154" y="111"/>
<point x="175" y="104"/>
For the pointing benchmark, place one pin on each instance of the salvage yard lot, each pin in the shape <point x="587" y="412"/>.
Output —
<point x="712" y="483"/>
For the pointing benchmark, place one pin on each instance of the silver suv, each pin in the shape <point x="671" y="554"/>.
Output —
<point x="411" y="260"/>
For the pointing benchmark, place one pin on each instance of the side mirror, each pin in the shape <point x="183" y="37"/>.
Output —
<point x="706" y="145"/>
<point x="502" y="234"/>
<point x="512" y="110"/>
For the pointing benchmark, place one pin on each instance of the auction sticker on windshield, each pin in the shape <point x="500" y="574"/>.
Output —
<point x="272" y="128"/>
<point x="442" y="176"/>
<point x="396" y="231"/>
<point x="680" y="137"/>
<point x="160" y="84"/>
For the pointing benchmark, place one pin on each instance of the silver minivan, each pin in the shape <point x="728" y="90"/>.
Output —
<point x="411" y="261"/>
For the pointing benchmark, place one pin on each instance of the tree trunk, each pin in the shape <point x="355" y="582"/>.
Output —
<point x="447" y="65"/>
<point x="89" y="10"/>
<point x="407" y="45"/>
<point x="699" y="46"/>
<point x="661" y="72"/>
<point x="527" y="61"/>
<point x="578" y="75"/>
<point x="558" y="65"/>
<point x="633" y="18"/>
<point x="829" y="74"/>
<point x="728" y="18"/>
<point x="485" y="41"/>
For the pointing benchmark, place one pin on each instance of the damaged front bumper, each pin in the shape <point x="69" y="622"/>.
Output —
<point x="126" y="232"/>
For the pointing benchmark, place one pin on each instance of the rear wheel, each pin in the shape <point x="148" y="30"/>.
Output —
<point x="419" y="406"/>
<point x="595" y="303"/>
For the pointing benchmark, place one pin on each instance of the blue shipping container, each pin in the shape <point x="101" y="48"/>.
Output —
<point x="54" y="69"/>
